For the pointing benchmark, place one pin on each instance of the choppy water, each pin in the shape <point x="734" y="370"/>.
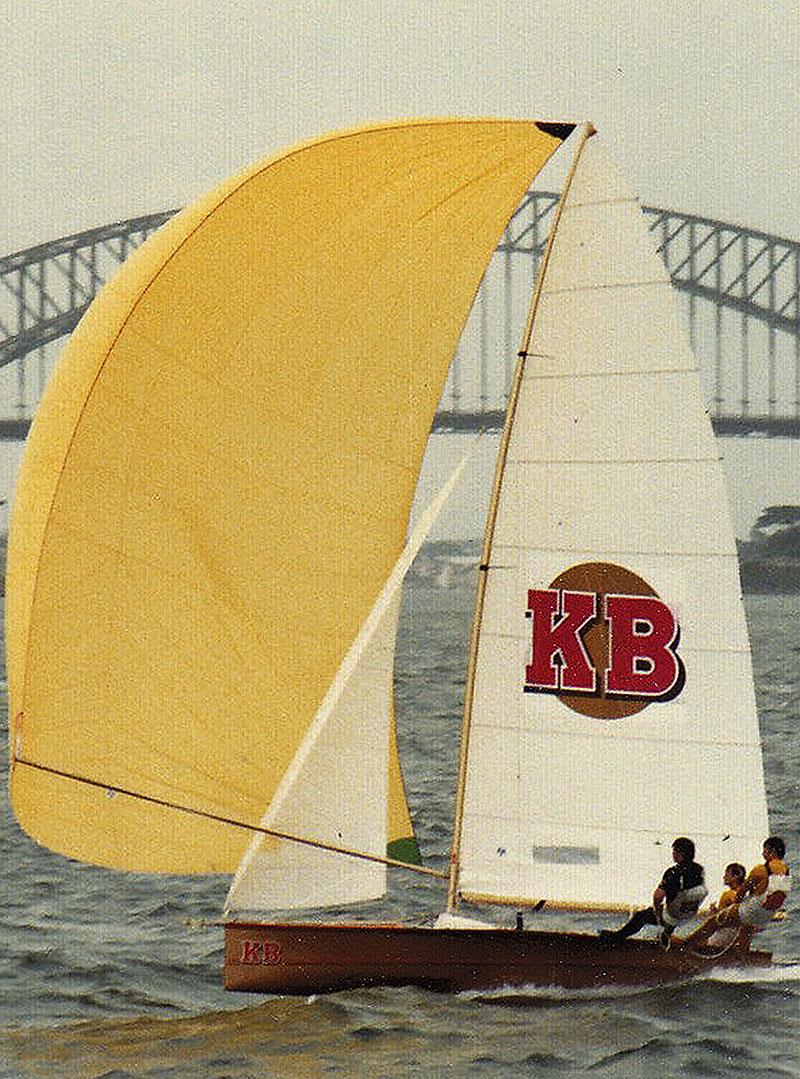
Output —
<point x="108" y="974"/>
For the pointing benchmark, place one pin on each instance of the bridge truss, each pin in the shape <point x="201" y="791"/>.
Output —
<point x="741" y="291"/>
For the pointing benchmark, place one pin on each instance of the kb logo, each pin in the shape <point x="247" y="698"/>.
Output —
<point x="603" y="641"/>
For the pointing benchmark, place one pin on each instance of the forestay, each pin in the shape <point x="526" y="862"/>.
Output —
<point x="611" y="461"/>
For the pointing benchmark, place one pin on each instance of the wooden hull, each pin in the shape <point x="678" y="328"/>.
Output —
<point x="305" y="959"/>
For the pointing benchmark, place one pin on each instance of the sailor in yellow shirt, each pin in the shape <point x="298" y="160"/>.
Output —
<point x="733" y="878"/>
<point x="763" y="892"/>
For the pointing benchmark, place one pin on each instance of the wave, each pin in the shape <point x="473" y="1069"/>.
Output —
<point x="785" y="973"/>
<point x="782" y="974"/>
<point x="555" y="995"/>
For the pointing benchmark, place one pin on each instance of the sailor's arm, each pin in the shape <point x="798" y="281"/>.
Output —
<point x="668" y="888"/>
<point x="755" y="882"/>
<point x="659" y="895"/>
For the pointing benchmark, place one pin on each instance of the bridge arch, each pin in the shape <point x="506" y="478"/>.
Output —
<point x="741" y="291"/>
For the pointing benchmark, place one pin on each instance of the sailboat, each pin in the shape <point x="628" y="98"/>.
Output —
<point x="208" y="546"/>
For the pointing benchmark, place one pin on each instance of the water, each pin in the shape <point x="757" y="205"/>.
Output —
<point x="111" y="974"/>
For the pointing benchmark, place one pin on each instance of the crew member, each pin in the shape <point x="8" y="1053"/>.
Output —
<point x="763" y="893"/>
<point x="678" y="896"/>
<point x="733" y="878"/>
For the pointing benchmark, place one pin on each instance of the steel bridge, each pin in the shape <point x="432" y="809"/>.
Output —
<point x="740" y="289"/>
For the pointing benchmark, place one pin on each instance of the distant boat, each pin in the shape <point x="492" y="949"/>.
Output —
<point x="207" y="552"/>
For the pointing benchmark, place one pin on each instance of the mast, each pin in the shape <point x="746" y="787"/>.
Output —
<point x="483" y="568"/>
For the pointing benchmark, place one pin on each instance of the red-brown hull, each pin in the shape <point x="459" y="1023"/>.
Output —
<point x="305" y="959"/>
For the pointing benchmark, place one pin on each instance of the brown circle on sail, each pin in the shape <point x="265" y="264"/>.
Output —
<point x="602" y="578"/>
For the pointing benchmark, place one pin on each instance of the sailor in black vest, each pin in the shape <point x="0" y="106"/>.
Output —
<point x="676" y="899"/>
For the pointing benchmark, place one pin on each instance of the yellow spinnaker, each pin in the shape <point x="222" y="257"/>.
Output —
<point x="220" y="475"/>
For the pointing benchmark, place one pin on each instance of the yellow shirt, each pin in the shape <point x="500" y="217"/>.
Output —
<point x="759" y="875"/>
<point x="727" y="897"/>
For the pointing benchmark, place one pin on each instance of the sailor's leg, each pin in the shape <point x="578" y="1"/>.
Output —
<point x="746" y="934"/>
<point x="666" y="934"/>
<point x="638" y="920"/>
<point x="727" y="916"/>
<point x="699" y="936"/>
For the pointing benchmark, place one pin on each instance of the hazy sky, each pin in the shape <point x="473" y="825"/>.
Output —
<point x="110" y="110"/>
<point x="113" y="109"/>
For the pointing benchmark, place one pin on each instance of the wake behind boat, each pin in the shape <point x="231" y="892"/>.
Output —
<point x="224" y="532"/>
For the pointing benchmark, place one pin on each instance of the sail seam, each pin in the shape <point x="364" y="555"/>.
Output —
<point x="699" y="834"/>
<point x="636" y="372"/>
<point x="596" y="736"/>
<point x="605" y="551"/>
<point x="612" y="460"/>
<point x="576" y="205"/>
<point x="523" y="638"/>
<point x="559" y="290"/>
<point x="587" y="835"/>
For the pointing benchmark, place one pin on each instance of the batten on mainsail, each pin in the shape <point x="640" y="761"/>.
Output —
<point x="611" y="473"/>
<point x="218" y="480"/>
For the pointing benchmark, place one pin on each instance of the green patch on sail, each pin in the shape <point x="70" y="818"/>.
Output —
<point x="405" y="849"/>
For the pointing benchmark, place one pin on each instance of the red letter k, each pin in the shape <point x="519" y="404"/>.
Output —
<point x="558" y="617"/>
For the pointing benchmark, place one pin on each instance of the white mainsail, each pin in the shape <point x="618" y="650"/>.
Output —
<point x="611" y="460"/>
<point x="335" y="791"/>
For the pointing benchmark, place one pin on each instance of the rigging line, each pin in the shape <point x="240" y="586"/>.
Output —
<point x="505" y="440"/>
<point x="151" y="800"/>
<point x="707" y="954"/>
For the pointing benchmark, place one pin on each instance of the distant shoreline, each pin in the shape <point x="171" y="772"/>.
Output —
<point x="770" y="576"/>
<point x="759" y="576"/>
